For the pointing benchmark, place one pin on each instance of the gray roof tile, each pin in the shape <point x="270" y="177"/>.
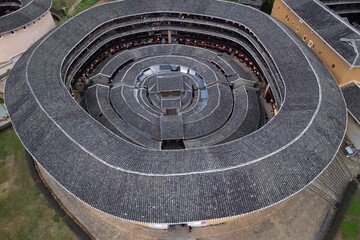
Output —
<point x="229" y="179"/>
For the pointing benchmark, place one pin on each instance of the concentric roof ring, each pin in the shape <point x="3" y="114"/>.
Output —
<point x="202" y="183"/>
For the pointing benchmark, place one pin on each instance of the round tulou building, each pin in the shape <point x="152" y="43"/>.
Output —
<point x="176" y="112"/>
<point x="22" y="22"/>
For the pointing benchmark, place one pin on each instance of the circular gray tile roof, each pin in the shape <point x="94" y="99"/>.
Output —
<point x="114" y="171"/>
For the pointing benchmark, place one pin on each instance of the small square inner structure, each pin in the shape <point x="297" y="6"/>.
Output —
<point x="170" y="103"/>
<point x="170" y="83"/>
<point x="171" y="127"/>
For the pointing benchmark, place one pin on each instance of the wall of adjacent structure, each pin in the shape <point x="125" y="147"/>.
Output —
<point x="98" y="224"/>
<point x="339" y="68"/>
<point x="17" y="41"/>
<point x="330" y="186"/>
<point x="353" y="131"/>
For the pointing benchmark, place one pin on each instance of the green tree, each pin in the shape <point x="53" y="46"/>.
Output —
<point x="7" y="74"/>
<point x="267" y="6"/>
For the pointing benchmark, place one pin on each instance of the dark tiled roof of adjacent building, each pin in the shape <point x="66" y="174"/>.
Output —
<point x="338" y="33"/>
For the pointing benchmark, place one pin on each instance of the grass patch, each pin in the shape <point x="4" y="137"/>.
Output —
<point x="85" y="4"/>
<point x="56" y="218"/>
<point x="354" y="207"/>
<point x="6" y="140"/>
<point x="65" y="5"/>
<point x="350" y="223"/>
<point x="1" y="101"/>
<point x="350" y="229"/>
<point x="24" y="211"/>
<point x="3" y="171"/>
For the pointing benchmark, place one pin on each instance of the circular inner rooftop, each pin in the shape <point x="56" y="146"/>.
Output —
<point x="155" y="112"/>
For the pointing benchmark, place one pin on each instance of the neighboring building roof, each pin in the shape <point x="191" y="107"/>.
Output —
<point x="343" y="8"/>
<point x="351" y="94"/>
<point x="126" y="180"/>
<point x="29" y="11"/>
<point x="338" y="33"/>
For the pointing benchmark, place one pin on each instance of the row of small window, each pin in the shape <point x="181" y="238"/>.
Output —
<point x="310" y="43"/>
<point x="14" y="32"/>
<point x="24" y="27"/>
